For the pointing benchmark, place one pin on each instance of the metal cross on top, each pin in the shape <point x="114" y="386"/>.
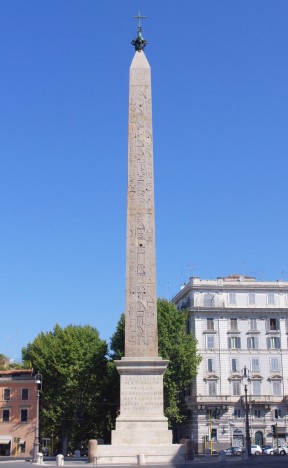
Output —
<point x="139" y="17"/>
<point x="139" y="43"/>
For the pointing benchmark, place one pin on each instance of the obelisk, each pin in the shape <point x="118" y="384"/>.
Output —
<point x="141" y="420"/>
<point x="141" y="338"/>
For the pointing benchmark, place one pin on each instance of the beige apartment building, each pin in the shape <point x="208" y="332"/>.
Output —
<point x="18" y="400"/>
<point x="239" y="323"/>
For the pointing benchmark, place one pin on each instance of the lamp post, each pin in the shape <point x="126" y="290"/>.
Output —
<point x="247" y="425"/>
<point x="38" y="379"/>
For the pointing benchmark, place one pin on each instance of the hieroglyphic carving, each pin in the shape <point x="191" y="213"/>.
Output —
<point x="141" y="313"/>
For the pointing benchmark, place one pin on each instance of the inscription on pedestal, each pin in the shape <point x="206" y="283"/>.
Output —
<point x="141" y="395"/>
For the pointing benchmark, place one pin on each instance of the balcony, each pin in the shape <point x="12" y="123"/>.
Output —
<point x="262" y="399"/>
<point x="206" y="400"/>
<point x="209" y="399"/>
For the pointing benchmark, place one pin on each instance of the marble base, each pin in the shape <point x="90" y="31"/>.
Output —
<point x="141" y="420"/>
<point x="139" y="455"/>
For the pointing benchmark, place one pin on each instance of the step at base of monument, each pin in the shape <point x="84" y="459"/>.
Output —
<point x="139" y="454"/>
<point x="142" y="426"/>
<point x="144" y="436"/>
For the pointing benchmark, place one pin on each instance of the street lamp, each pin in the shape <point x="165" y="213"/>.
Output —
<point x="247" y="426"/>
<point x="38" y="380"/>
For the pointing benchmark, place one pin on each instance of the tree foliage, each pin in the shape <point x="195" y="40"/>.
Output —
<point x="6" y="363"/>
<point x="81" y="387"/>
<point x="73" y="363"/>
<point x="179" y="347"/>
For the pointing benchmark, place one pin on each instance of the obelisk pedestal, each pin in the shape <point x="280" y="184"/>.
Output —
<point x="141" y="420"/>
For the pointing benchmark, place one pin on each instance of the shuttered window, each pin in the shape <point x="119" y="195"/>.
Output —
<point x="210" y="341"/>
<point x="273" y="342"/>
<point x="251" y="298"/>
<point x="212" y="388"/>
<point x="236" y="387"/>
<point x="256" y="387"/>
<point x="252" y="342"/>
<point x="234" y="342"/>
<point x="255" y="365"/>
<point x="276" y="388"/>
<point x="234" y="365"/>
<point x="274" y="364"/>
<point x="210" y="365"/>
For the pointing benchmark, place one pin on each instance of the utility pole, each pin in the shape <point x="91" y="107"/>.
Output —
<point x="38" y="378"/>
<point x="247" y="425"/>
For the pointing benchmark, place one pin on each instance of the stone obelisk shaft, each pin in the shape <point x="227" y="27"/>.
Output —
<point x="141" y="337"/>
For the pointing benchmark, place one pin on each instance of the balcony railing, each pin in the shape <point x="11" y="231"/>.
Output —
<point x="205" y="400"/>
<point x="227" y="399"/>
<point x="261" y="399"/>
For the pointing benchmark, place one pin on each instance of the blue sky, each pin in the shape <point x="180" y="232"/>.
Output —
<point x="220" y="115"/>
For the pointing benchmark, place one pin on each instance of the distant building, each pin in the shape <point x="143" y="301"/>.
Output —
<point x="238" y="322"/>
<point x="18" y="401"/>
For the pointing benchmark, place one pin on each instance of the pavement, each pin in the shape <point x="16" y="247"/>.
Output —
<point x="198" y="462"/>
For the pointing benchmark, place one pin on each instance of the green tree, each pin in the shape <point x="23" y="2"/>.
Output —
<point x="4" y="361"/>
<point x="176" y="345"/>
<point x="73" y="363"/>
<point x="7" y="363"/>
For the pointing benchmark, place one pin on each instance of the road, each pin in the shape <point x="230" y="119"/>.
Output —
<point x="199" y="462"/>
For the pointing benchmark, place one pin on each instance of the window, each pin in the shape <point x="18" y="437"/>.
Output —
<point x="234" y="365"/>
<point x="214" y="435"/>
<point x="22" y="447"/>
<point x="270" y="299"/>
<point x="273" y="324"/>
<point x="208" y="300"/>
<point x="255" y="365"/>
<point x="233" y="324"/>
<point x="7" y="394"/>
<point x="274" y="364"/>
<point x="24" y="393"/>
<point x="210" y="324"/>
<point x="237" y="413"/>
<point x="257" y="413"/>
<point x="234" y="342"/>
<point x="276" y="388"/>
<point x="212" y="388"/>
<point x="6" y="415"/>
<point x="210" y="365"/>
<point x="252" y="342"/>
<point x="253" y="324"/>
<point x="210" y="341"/>
<point x="232" y="298"/>
<point x="236" y="387"/>
<point x="273" y="342"/>
<point x="256" y="387"/>
<point x="216" y="413"/>
<point x="277" y="414"/>
<point x="251" y="299"/>
<point x="24" y="415"/>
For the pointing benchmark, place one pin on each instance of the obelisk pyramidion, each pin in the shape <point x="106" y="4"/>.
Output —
<point x="141" y="420"/>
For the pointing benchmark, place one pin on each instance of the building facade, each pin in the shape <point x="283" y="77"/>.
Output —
<point x="239" y="323"/>
<point x="18" y="400"/>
